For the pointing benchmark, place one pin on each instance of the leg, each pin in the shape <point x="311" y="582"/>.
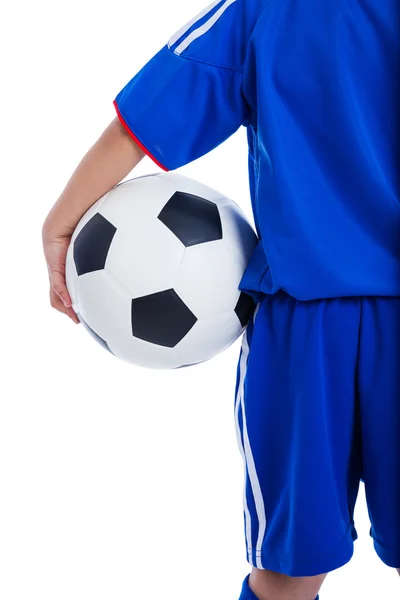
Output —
<point x="268" y="585"/>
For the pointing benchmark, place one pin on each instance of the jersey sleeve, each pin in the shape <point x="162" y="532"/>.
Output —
<point x="188" y="98"/>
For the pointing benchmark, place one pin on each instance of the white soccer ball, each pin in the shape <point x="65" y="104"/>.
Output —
<point x="153" y="270"/>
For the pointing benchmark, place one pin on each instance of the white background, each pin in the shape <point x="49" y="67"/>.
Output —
<point x="116" y="482"/>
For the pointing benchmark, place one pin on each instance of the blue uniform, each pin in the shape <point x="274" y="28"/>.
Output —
<point x="317" y="86"/>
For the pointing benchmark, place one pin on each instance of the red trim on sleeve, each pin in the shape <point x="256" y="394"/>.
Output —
<point x="138" y="142"/>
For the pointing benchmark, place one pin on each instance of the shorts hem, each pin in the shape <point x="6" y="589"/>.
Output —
<point x="311" y="568"/>
<point x="390" y="557"/>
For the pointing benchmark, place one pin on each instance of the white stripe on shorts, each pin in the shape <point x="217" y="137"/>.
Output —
<point x="242" y="371"/>
<point x="204" y="28"/>
<point x="249" y="463"/>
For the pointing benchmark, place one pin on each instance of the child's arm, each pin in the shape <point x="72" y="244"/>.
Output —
<point x="109" y="160"/>
<point x="188" y="99"/>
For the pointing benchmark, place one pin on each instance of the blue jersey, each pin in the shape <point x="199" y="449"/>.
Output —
<point x="317" y="85"/>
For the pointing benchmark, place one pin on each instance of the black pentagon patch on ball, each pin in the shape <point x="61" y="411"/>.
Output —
<point x="245" y="308"/>
<point x="162" y="318"/>
<point x="192" y="219"/>
<point x="94" y="334"/>
<point x="92" y="244"/>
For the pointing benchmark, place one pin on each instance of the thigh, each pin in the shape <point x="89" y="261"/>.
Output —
<point x="297" y="425"/>
<point x="267" y="584"/>
<point x="379" y="392"/>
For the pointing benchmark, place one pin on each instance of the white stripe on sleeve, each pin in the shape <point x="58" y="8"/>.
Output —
<point x="204" y="28"/>
<point x="186" y="27"/>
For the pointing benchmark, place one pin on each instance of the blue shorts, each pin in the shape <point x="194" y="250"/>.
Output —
<point x="317" y="409"/>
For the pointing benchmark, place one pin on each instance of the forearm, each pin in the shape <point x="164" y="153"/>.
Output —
<point x="109" y="160"/>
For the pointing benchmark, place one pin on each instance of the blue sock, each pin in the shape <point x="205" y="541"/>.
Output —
<point x="248" y="594"/>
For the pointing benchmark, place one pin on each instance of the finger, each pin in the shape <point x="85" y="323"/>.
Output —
<point x="60" y="288"/>
<point x="58" y="304"/>
<point x="72" y="315"/>
<point x="56" y="301"/>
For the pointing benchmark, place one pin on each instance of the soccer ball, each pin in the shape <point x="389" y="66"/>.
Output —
<point x="153" y="270"/>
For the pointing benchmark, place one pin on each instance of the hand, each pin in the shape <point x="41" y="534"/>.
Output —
<point x="55" y="246"/>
